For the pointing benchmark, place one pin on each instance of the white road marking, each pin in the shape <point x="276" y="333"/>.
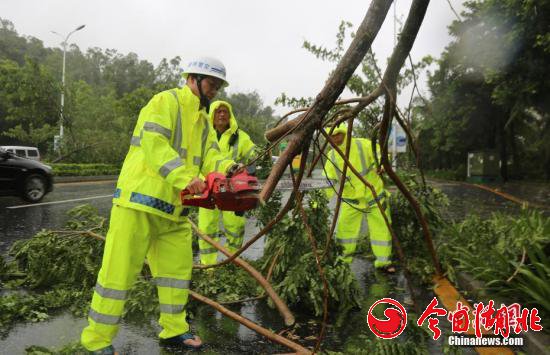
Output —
<point x="57" y="202"/>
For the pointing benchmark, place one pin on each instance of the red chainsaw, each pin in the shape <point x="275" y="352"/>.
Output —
<point x="237" y="193"/>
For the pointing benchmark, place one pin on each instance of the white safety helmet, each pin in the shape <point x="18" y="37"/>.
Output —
<point x="206" y="66"/>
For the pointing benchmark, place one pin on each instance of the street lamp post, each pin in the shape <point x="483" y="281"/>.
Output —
<point x="59" y="138"/>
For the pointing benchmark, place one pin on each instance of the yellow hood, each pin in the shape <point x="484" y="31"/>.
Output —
<point x="341" y="128"/>
<point x="232" y="121"/>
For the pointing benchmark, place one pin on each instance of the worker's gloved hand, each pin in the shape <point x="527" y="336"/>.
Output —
<point x="235" y="169"/>
<point x="196" y="186"/>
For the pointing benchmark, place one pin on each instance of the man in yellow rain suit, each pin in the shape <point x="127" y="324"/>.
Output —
<point x="171" y="145"/>
<point x="234" y="144"/>
<point x="358" y="200"/>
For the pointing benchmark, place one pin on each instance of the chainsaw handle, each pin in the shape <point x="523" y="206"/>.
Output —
<point x="185" y="193"/>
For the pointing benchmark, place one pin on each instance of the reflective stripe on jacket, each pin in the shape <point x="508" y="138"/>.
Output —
<point x="242" y="148"/>
<point x="362" y="159"/>
<point x="171" y="143"/>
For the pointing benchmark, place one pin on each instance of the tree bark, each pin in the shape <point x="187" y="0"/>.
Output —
<point x="503" y="149"/>
<point x="514" y="153"/>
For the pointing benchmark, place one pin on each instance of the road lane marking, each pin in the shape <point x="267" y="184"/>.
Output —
<point x="57" y="202"/>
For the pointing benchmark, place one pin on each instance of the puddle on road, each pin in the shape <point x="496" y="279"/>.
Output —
<point x="59" y="330"/>
<point x="64" y="329"/>
<point x="23" y="223"/>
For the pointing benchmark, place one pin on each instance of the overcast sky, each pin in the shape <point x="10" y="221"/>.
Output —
<point x="260" y="42"/>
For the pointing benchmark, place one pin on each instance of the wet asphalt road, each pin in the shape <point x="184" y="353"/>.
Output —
<point x="20" y="220"/>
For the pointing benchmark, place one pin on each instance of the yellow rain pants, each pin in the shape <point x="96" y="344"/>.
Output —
<point x="359" y="200"/>
<point x="132" y="236"/>
<point x="349" y="227"/>
<point x="231" y="225"/>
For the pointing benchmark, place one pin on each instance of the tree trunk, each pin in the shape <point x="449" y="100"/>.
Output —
<point x="514" y="152"/>
<point x="503" y="148"/>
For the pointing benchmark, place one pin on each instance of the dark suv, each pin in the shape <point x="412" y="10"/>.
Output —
<point x="24" y="177"/>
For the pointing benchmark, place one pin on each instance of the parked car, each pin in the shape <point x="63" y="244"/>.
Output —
<point x="24" y="152"/>
<point x="24" y="177"/>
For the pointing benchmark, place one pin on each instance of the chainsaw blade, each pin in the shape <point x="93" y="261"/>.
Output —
<point x="305" y="185"/>
<point x="247" y="195"/>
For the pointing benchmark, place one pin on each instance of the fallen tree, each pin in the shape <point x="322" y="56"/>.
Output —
<point x="301" y="135"/>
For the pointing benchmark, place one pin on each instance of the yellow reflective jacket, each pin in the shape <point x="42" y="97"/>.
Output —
<point x="234" y="143"/>
<point x="171" y="143"/>
<point x="362" y="159"/>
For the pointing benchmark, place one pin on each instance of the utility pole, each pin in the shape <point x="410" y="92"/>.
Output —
<point x="58" y="139"/>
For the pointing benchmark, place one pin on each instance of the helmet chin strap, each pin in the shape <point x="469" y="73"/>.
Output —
<point x="204" y="101"/>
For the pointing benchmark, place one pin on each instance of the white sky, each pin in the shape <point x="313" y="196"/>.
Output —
<point x="260" y="42"/>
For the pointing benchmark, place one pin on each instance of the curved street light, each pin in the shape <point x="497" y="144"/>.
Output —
<point x="58" y="139"/>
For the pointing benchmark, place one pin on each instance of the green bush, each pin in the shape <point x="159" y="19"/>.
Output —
<point x="458" y="174"/>
<point x="491" y="251"/>
<point x="85" y="169"/>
